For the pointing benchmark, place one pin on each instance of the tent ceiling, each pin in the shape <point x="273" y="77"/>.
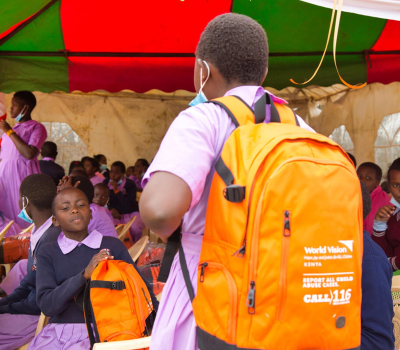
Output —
<point x="97" y="44"/>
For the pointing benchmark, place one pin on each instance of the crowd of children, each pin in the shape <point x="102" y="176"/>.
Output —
<point x="75" y="216"/>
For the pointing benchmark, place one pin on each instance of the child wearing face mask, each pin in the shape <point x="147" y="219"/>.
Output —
<point x="123" y="204"/>
<point x="386" y="229"/>
<point x="101" y="158"/>
<point x="64" y="267"/>
<point x="19" y="151"/>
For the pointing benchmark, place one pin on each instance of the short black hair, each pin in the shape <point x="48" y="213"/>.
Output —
<point x="75" y="164"/>
<point x="376" y="167"/>
<point x="95" y="163"/>
<point x="85" y="186"/>
<point x="237" y="45"/>
<point x="144" y="162"/>
<point x="395" y="166"/>
<point x="27" y="98"/>
<point x="102" y="186"/>
<point x="353" y="159"/>
<point x="53" y="203"/>
<point x="366" y="198"/>
<point x="120" y="165"/>
<point x="49" y="149"/>
<point x="40" y="190"/>
<point x="99" y="156"/>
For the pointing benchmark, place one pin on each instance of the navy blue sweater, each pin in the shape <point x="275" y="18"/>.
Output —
<point x="23" y="299"/>
<point x="124" y="201"/>
<point x="60" y="278"/>
<point x="377" y="305"/>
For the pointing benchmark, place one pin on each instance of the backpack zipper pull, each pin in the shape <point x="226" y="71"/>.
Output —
<point x="251" y="300"/>
<point x="286" y="231"/>
<point x="203" y="266"/>
<point x="240" y="252"/>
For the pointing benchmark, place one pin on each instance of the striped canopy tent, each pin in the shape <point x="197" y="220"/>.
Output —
<point x="142" y="45"/>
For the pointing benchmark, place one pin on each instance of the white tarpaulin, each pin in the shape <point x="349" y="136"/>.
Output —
<point x="388" y="9"/>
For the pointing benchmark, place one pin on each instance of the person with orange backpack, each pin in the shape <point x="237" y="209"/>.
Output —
<point x="64" y="268"/>
<point x="189" y="183"/>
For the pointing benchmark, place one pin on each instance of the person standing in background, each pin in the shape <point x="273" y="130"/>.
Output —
<point x="19" y="151"/>
<point x="48" y="165"/>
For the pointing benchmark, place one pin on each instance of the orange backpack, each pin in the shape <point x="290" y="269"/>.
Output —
<point x="280" y="264"/>
<point x="118" y="303"/>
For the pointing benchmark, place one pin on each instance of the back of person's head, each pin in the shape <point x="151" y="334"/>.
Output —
<point x="353" y="159"/>
<point x="49" y="149"/>
<point x="119" y="165"/>
<point x="366" y="198"/>
<point x="40" y="190"/>
<point x="395" y="166"/>
<point x="237" y="46"/>
<point x="26" y="98"/>
<point x="75" y="164"/>
<point x="85" y="186"/>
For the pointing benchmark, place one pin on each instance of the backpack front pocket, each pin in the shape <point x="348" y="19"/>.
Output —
<point x="215" y="283"/>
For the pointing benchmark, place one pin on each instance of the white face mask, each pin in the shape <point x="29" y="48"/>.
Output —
<point x="201" y="98"/>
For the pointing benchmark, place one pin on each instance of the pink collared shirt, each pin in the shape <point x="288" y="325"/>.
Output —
<point x="38" y="233"/>
<point x="192" y="146"/>
<point x="68" y="245"/>
<point x="49" y="159"/>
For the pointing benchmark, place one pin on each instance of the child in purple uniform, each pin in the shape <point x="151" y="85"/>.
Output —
<point x="231" y="59"/>
<point x="19" y="310"/>
<point x="64" y="267"/>
<point x="19" y="151"/>
<point x="92" y="168"/>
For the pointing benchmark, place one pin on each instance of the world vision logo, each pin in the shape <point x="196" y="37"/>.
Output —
<point x="331" y="249"/>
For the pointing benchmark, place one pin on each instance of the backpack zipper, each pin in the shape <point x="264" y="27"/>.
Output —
<point x="137" y="290"/>
<point x="284" y="262"/>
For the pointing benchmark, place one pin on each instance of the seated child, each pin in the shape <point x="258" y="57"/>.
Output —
<point x="75" y="164"/>
<point x="92" y="168"/>
<point x="13" y="230"/>
<point x="65" y="266"/>
<point x="123" y="204"/>
<point x="371" y="175"/>
<point x="19" y="310"/>
<point x="48" y="165"/>
<point x="139" y="170"/>
<point x="129" y="171"/>
<point x="101" y="197"/>
<point x="101" y="158"/>
<point x="386" y="228"/>
<point x="376" y="282"/>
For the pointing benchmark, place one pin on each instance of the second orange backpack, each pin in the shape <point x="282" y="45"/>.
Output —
<point x="280" y="264"/>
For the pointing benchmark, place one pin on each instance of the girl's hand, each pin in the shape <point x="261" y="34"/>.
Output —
<point x="384" y="213"/>
<point x="114" y="184"/>
<point x="115" y="214"/>
<point x="66" y="182"/>
<point x="4" y="126"/>
<point x="103" y="255"/>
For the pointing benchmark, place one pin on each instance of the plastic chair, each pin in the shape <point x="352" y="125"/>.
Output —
<point x="141" y="343"/>
<point x="138" y="248"/>
<point x="43" y="322"/>
<point x="396" y="309"/>
<point x="122" y="235"/>
<point x="119" y="228"/>
<point x="29" y="229"/>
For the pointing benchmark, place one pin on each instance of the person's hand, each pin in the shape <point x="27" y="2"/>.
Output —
<point x="4" y="126"/>
<point x="103" y="255"/>
<point x="114" y="184"/>
<point x="115" y="214"/>
<point x="384" y="213"/>
<point x="66" y="182"/>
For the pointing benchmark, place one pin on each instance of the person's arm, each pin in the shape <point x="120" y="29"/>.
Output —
<point x="377" y="305"/>
<point x="26" y="150"/>
<point x="19" y="293"/>
<point x="27" y="306"/>
<point x="51" y="298"/>
<point x="164" y="201"/>
<point x="380" y="229"/>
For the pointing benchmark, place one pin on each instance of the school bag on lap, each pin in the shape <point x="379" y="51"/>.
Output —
<point x="117" y="303"/>
<point x="280" y="265"/>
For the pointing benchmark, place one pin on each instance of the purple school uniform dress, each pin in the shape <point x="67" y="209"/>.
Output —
<point x="18" y="330"/>
<point x="67" y="336"/>
<point x="14" y="167"/>
<point x="137" y="226"/>
<point x="97" y="179"/>
<point x="190" y="150"/>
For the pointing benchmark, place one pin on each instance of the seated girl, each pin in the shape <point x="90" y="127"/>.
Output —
<point x="75" y="165"/>
<point x="92" y="168"/>
<point x="19" y="311"/>
<point x="123" y="204"/>
<point x="101" y="158"/>
<point x="102" y="197"/>
<point x="386" y="229"/>
<point x="65" y="266"/>
<point x="139" y="170"/>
